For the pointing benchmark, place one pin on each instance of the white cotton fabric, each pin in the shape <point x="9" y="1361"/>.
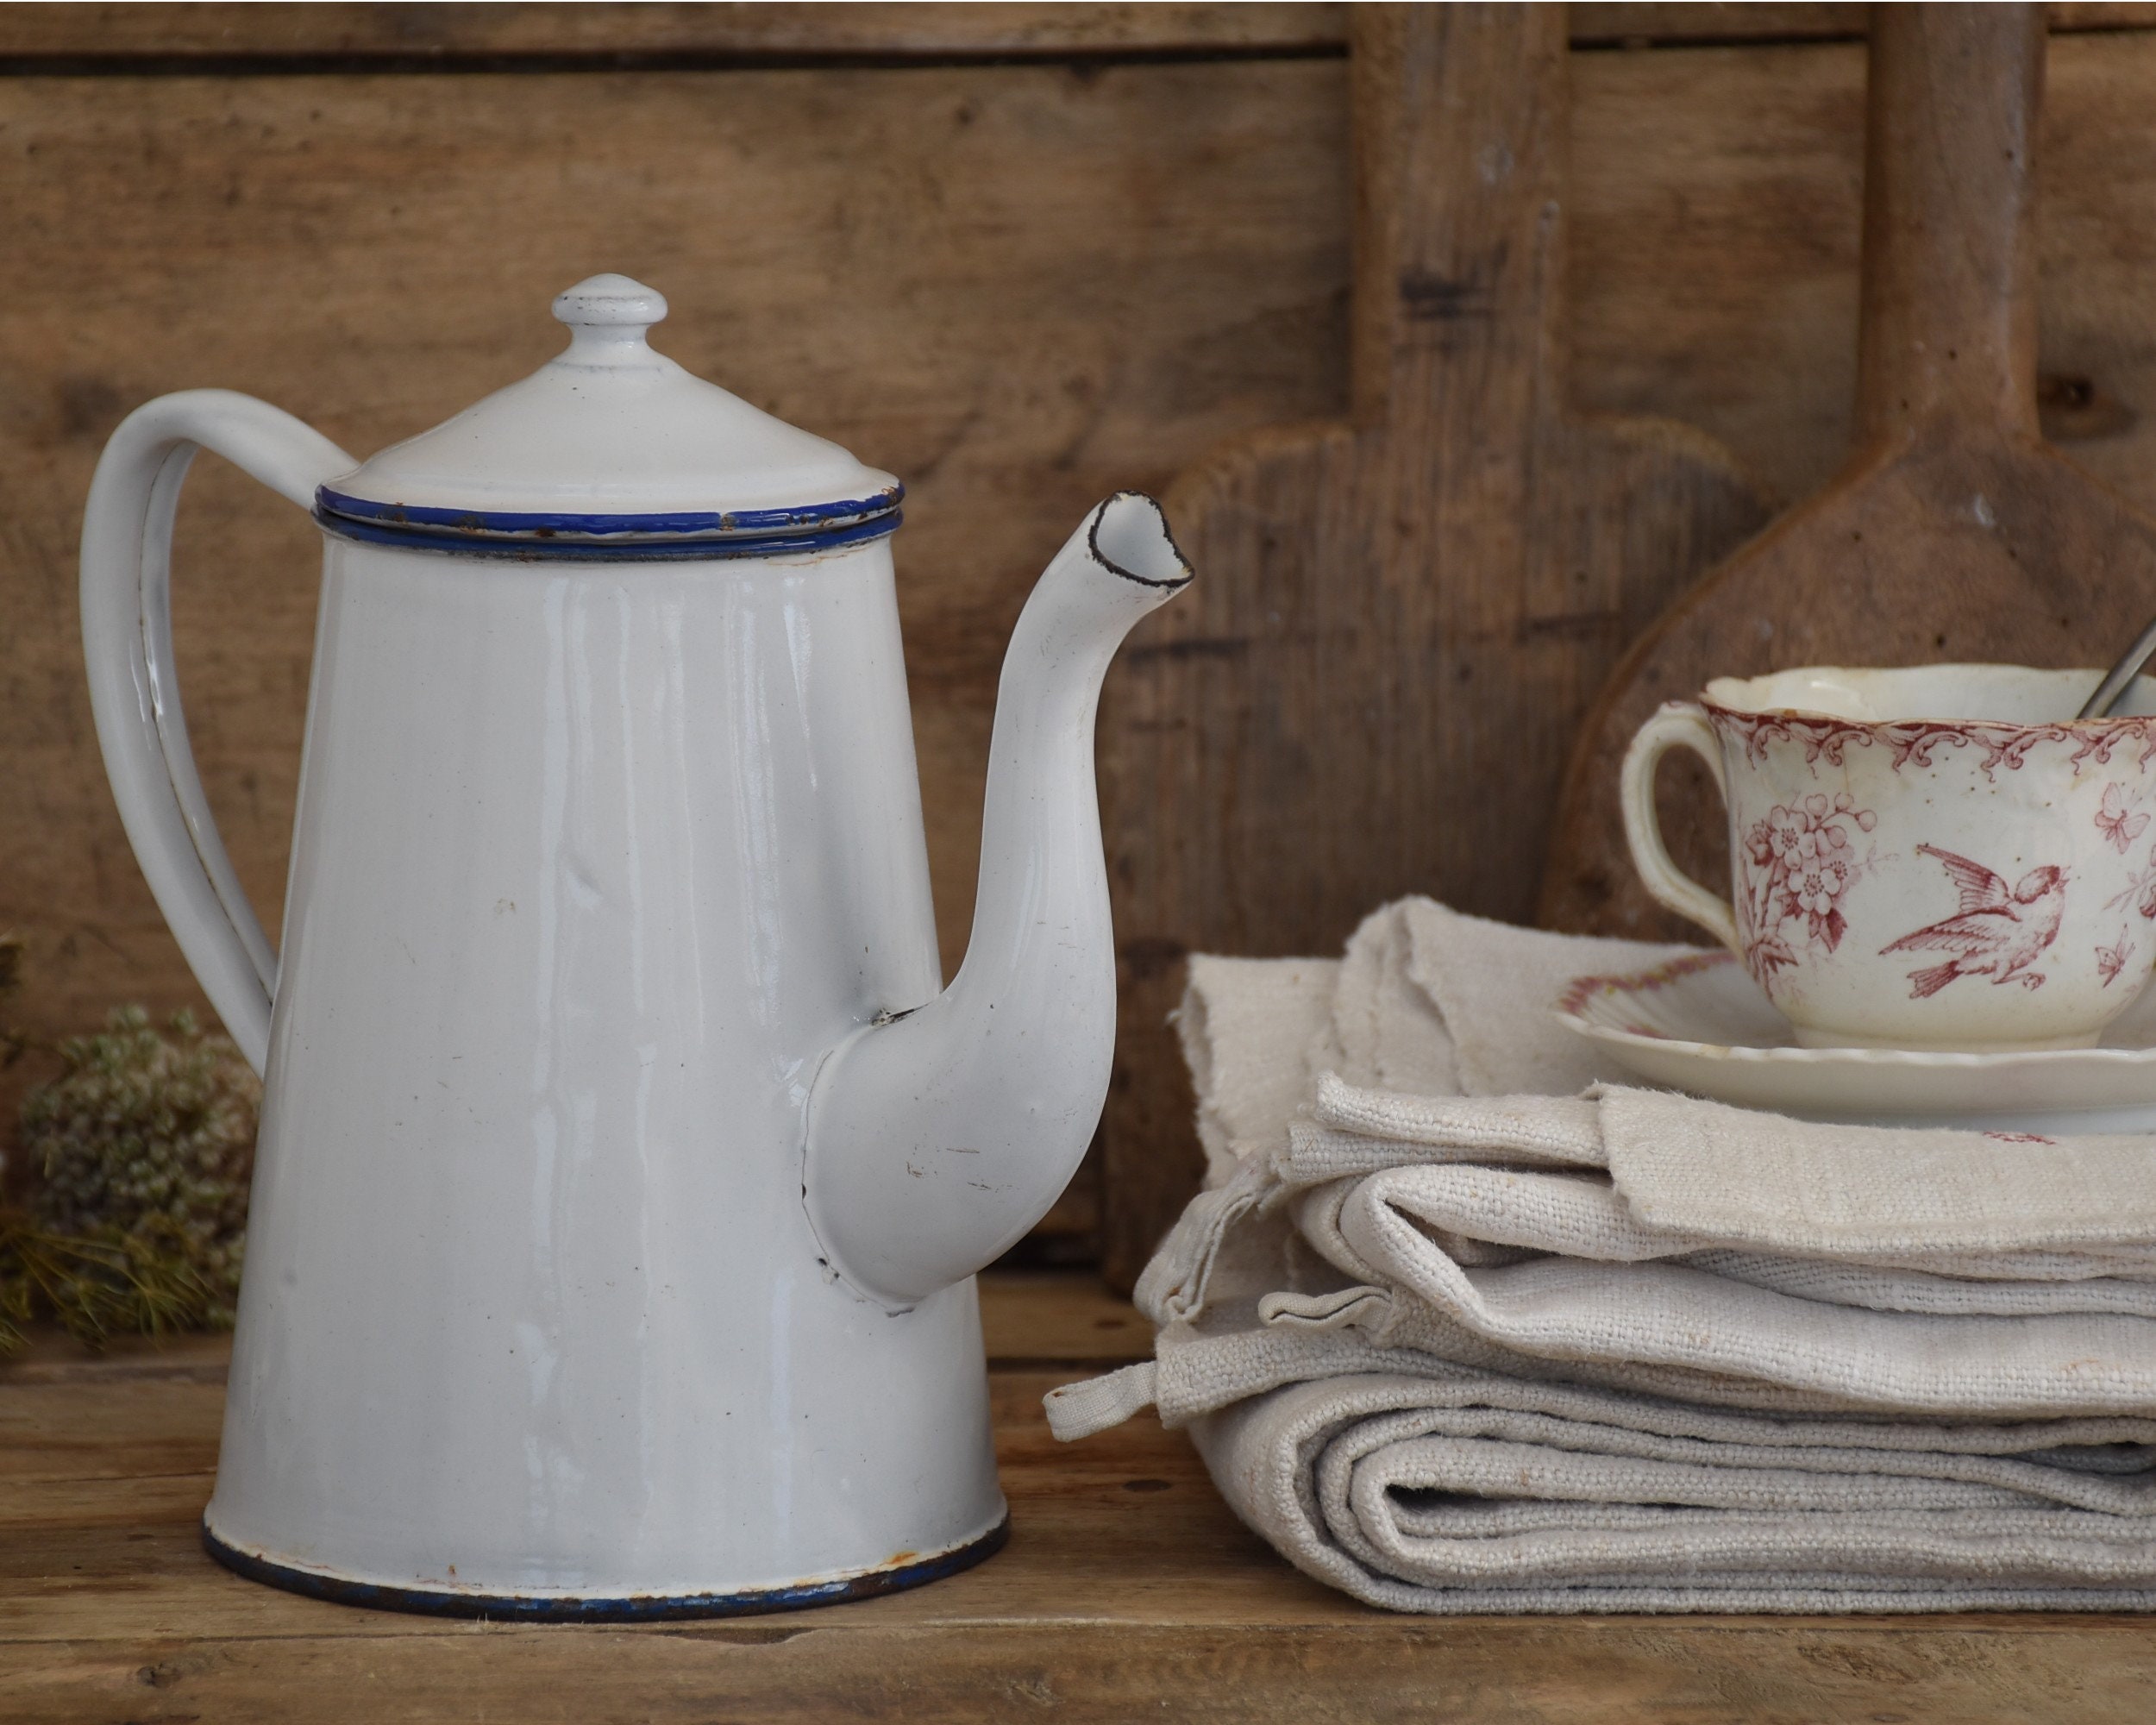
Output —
<point x="1464" y="1323"/>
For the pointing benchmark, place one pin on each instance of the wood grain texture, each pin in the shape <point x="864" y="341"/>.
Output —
<point x="1409" y="611"/>
<point x="408" y="31"/>
<point x="1717" y="209"/>
<point x="1954" y="533"/>
<point x="58" y="28"/>
<point x="1128" y="1591"/>
<point x="1644" y="23"/>
<point x="1718" y="205"/>
<point x="1030" y="1317"/>
<point x="1019" y="286"/>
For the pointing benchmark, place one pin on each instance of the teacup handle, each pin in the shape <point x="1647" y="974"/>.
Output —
<point x="1677" y="724"/>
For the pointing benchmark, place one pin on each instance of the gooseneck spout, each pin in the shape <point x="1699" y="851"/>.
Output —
<point x="937" y="1137"/>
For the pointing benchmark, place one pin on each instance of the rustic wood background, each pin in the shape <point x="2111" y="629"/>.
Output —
<point x="1020" y="255"/>
<point x="1423" y="597"/>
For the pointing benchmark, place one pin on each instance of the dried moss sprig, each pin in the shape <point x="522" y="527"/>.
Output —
<point x="98" y="1288"/>
<point x="145" y="1143"/>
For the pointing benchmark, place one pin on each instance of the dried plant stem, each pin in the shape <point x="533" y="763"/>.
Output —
<point x="94" y="1286"/>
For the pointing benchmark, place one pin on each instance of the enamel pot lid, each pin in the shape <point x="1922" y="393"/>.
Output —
<point x="611" y="451"/>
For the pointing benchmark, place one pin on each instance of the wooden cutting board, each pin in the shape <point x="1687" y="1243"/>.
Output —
<point x="1372" y="688"/>
<point x="1953" y="533"/>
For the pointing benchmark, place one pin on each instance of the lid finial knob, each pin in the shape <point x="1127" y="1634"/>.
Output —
<point x="607" y="316"/>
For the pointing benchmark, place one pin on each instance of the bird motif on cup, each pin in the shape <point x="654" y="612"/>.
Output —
<point x="1997" y="930"/>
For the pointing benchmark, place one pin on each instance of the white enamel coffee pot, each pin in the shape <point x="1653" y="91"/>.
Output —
<point x="624" y="1165"/>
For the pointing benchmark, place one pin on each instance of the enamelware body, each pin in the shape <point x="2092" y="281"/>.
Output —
<point x="623" y="1164"/>
<point x="591" y="868"/>
<point x="1931" y="858"/>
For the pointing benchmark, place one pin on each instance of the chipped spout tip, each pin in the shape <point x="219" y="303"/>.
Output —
<point x="1129" y="537"/>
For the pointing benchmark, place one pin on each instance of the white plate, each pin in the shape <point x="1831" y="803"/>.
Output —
<point x="1700" y="1024"/>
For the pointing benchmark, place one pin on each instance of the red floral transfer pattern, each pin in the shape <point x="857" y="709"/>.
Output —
<point x="2140" y="888"/>
<point x="1917" y="742"/>
<point x="2117" y="821"/>
<point x="2111" y="960"/>
<point x="1998" y="931"/>
<point x="2122" y="823"/>
<point x="1581" y="989"/>
<point x="1794" y="868"/>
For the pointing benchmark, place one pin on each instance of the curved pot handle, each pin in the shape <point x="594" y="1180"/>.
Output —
<point x="126" y="627"/>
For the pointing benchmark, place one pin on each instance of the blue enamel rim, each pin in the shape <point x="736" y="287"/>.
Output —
<point x="588" y="551"/>
<point x="632" y="1609"/>
<point x="735" y="533"/>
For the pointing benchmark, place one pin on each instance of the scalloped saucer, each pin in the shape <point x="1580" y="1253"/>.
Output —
<point x="1700" y="1024"/>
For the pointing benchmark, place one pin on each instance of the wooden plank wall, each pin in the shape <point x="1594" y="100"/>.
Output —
<point x="1020" y="255"/>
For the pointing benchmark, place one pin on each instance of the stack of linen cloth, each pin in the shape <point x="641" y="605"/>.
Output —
<point x="1462" y="1325"/>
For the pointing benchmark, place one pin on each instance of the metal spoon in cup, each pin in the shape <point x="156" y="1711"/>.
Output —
<point x="2121" y="676"/>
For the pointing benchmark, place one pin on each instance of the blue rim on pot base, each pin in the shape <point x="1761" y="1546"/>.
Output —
<point x="756" y="1602"/>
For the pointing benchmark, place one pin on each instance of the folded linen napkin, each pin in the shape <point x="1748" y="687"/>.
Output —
<point x="1462" y="1324"/>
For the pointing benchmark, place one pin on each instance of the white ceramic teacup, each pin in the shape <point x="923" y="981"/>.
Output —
<point x="1938" y="857"/>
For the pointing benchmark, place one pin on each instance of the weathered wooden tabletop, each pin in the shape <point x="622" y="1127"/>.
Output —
<point x="1127" y="1590"/>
